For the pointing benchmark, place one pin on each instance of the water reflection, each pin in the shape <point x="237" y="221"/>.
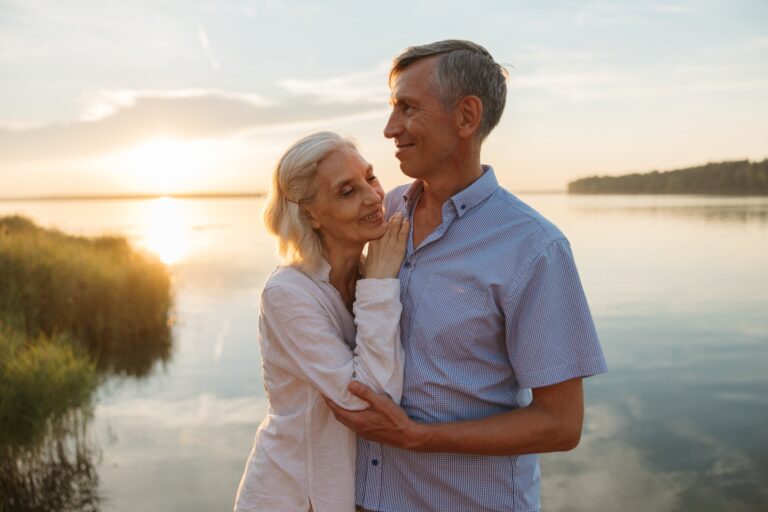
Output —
<point x="675" y="426"/>
<point x="57" y="475"/>
<point x="679" y="288"/>
<point x="710" y="209"/>
<point x="168" y="234"/>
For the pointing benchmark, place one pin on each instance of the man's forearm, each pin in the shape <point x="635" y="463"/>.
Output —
<point x="551" y="423"/>
<point x="512" y="433"/>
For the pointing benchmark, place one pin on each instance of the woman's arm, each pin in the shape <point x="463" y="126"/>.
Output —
<point x="295" y="326"/>
<point x="379" y="351"/>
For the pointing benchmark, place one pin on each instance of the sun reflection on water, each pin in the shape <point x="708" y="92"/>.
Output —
<point x="168" y="235"/>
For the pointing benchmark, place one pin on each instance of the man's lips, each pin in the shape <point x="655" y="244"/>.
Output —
<point x="402" y="148"/>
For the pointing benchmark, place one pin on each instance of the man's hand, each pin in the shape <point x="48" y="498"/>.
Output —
<point x="552" y="422"/>
<point x="384" y="421"/>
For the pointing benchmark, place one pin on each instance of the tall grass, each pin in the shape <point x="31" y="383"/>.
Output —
<point x="40" y="381"/>
<point x="112" y="299"/>
<point x="72" y="309"/>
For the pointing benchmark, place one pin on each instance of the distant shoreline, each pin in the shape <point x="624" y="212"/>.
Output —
<point x="735" y="178"/>
<point x="128" y="197"/>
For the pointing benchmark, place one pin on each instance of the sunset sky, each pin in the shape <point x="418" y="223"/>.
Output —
<point x="171" y="96"/>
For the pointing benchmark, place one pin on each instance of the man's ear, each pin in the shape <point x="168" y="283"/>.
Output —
<point x="470" y="112"/>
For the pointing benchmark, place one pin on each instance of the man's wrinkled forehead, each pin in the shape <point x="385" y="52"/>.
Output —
<point x="398" y="70"/>
<point x="420" y="75"/>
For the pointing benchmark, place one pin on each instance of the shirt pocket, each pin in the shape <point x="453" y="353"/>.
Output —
<point x="451" y="312"/>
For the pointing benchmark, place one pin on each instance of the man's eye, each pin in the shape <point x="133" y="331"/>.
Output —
<point x="372" y="178"/>
<point x="346" y="192"/>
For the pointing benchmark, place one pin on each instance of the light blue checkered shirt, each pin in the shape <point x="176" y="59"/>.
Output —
<point x="492" y="307"/>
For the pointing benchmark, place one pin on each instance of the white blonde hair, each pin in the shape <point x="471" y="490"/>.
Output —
<point x="293" y="183"/>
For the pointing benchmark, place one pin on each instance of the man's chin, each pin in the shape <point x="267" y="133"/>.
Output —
<point x="410" y="171"/>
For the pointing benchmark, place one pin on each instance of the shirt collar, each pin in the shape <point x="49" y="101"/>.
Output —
<point x="322" y="272"/>
<point x="464" y="200"/>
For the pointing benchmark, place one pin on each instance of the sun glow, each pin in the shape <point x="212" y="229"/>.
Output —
<point x="168" y="235"/>
<point x="166" y="165"/>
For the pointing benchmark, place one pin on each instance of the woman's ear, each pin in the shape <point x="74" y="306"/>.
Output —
<point x="470" y="112"/>
<point x="312" y="218"/>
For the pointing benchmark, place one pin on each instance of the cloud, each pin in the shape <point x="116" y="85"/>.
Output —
<point x="757" y="43"/>
<point x="611" y="471"/>
<point x="106" y="103"/>
<point x="203" y="36"/>
<point x="368" y="86"/>
<point x="121" y="119"/>
<point x="587" y="86"/>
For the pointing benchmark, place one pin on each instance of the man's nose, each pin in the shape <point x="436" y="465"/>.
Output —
<point x="393" y="127"/>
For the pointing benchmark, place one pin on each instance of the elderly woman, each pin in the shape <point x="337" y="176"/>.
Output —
<point x="325" y="204"/>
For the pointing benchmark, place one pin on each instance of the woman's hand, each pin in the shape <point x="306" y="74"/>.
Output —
<point x="385" y="255"/>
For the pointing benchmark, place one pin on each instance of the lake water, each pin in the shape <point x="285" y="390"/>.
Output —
<point x="678" y="286"/>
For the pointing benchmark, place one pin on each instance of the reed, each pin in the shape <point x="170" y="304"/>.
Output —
<point x="72" y="310"/>
<point x="99" y="292"/>
<point x="41" y="380"/>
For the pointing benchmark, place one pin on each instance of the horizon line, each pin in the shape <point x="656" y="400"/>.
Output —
<point x="188" y="195"/>
<point x="97" y="197"/>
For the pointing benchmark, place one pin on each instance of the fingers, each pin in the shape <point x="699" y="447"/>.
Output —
<point x="397" y="227"/>
<point x="360" y="390"/>
<point x="331" y="404"/>
<point x="395" y="222"/>
<point x="404" y="229"/>
<point x="343" y="415"/>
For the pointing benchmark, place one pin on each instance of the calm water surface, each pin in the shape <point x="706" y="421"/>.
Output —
<point x="678" y="287"/>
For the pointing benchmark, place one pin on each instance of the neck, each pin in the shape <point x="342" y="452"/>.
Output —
<point x="345" y="264"/>
<point x="450" y="179"/>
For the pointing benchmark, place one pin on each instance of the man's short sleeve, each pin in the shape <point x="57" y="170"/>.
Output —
<point x="551" y="337"/>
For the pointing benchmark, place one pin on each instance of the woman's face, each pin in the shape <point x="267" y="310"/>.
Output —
<point x="348" y="208"/>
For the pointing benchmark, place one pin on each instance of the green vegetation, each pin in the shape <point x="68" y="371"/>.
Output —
<point x="738" y="178"/>
<point x="41" y="381"/>
<point x="72" y="310"/>
<point x="111" y="299"/>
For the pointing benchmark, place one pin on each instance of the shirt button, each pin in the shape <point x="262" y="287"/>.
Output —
<point x="463" y="207"/>
<point x="375" y="462"/>
<point x="407" y="264"/>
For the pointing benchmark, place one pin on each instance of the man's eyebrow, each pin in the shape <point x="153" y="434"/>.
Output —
<point x="396" y="100"/>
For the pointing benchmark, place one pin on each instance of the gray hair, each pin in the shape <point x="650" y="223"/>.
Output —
<point x="464" y="69"/>
<point x="293" y="182"/>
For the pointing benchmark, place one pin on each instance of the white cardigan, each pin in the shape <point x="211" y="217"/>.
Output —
<point x="302" y="456"/>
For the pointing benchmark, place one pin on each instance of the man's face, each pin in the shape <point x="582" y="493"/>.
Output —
<point x="425" y="135"/>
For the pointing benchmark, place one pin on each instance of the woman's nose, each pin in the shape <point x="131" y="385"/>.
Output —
<point x="372" y="196"/>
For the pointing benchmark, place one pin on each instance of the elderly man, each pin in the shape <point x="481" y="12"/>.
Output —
<point x="496" y="329"/>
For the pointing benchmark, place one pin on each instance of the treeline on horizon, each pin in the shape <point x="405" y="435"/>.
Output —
<point x="740" y="177"/>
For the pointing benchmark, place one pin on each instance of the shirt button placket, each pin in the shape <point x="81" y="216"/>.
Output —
<point x="374" y="484"/>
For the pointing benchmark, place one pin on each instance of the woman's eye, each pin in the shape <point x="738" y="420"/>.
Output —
<point x="372" y="178"/>
<point x="346" y="192"/>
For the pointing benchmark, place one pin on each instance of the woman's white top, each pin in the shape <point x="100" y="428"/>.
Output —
<point x="310" y="347"/>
